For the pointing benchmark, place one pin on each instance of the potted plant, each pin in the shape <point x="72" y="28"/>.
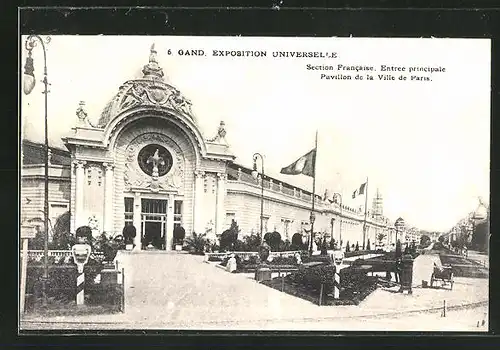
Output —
<point x="129" y="233"/>
<point x="179" y="234"/>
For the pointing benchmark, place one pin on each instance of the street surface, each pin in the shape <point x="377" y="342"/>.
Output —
<point x="180" y="291"/>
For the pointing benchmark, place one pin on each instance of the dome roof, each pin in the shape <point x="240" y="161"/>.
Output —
<point x="150" y="90"/>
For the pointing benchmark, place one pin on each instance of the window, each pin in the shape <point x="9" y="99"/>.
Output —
<point x="177" y="213"/>
<point x="265" y="222"/>
<point x="229" y="219"/>
<point x="129" y="211"/>
<point x="286" y="227"/>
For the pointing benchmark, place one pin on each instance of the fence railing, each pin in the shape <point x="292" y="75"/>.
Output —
<point x="37" y="255"/>
<point x="247" y="255"/>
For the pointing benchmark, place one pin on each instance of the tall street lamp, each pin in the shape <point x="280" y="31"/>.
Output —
<point x="28" y="85"/>
<point x="335" y="196"/>
<point x="255" y="175"/>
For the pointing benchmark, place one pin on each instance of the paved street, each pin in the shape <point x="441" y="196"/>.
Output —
<point x="180" y="291"/>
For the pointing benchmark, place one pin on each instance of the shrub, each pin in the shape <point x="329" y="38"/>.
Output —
<point x="297" y="240"/>
<point x="284" y="246"/>
<point x="84" y="233"/>
<point x="179" y="234"/>
<point x="314" y="276"/>
<point x="357" y="247"/>
<point x="368" y="246"/>
<point x="252" y="242"/>
<point x="347" y="247"/>
<point x="196" y="243"/>
<point x="129" y="232"/>
<point x="273" y="239"/>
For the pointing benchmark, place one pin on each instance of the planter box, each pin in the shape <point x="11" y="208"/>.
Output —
<point x="178" y="247"/>
<point x="129" y="247"/>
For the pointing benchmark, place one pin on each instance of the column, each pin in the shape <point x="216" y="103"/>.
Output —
<point x="170" y="223"/>
<point x="79" y="193"/>
<point x="137" y="221"/>
<point x="198" y="202"/>
<point x="108" y="197"/>
<point x="220" y="211"/>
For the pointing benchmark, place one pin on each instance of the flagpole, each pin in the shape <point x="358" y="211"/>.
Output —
<point x="366" y="208"/>
<point x="312" y="217"/>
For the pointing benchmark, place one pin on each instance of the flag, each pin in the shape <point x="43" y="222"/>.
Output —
<point x="303" y="165"/>
<point x="360" y="191"/>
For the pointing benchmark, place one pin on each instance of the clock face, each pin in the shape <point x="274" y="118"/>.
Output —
<point x="152" y="156"/>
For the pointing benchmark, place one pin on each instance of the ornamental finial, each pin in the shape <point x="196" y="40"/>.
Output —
<point x="152" y="55"/>
<point x="152" y="69"/>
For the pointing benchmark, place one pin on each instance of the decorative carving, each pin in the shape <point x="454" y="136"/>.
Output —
<point x="239" y="173"/>
<point x="281" y="187"/>
<point x="82" y="115"/>
<point x="221" y="134"/>
<point x="199" y="173"/>
<point x="157" y="180"/>
<point x="158" y="94"/>
<point x="108" y="166"/>
<point x="94" y="172"/>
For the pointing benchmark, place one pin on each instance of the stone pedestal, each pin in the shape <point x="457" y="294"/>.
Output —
<point x="263" y="274"/>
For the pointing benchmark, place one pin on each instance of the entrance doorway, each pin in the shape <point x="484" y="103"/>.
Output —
<point x="153" y="224"/>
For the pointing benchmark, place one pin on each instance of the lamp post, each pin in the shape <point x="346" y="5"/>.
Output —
<point x="255" y="176"/>
<point x="335" y="195"/>
<point x="28" y="85"/>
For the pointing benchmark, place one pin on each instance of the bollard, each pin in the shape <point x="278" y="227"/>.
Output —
<point x="336" y="284"/>
<point x="283" y="283"/>
<point x="443" y="314"/>
<point x="80" y="283"/>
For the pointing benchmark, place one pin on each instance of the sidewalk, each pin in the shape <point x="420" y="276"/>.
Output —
<point x="208" y="297"/>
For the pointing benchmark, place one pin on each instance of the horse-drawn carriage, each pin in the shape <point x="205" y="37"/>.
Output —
<point x="444" y="274"/>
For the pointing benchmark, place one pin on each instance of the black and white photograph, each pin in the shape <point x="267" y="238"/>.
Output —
<point x="254" y="183"/>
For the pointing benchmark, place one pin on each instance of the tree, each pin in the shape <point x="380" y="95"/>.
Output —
<point x="297" y="242"/>
<point x="381" y="237"/>
<point x="229" y="236"/>
<point x="347" y="247"/>
<point x="399" y="252"/>
<point x="324" y="247"/>
<point x="425" y="241"/>
<point x="357" y="247"/>
<point x="179" y="234"/>
<point x="62" y="239"/>
<point x="273" y="239"/>
<point x="333" y="244"/>
<point x="368" y="246"/>
<point x="129" y="232"/>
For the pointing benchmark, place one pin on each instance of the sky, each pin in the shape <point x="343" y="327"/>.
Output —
<point x="424" y="144"/>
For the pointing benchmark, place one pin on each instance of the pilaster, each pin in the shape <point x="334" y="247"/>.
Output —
<point x="79" y="193"/>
